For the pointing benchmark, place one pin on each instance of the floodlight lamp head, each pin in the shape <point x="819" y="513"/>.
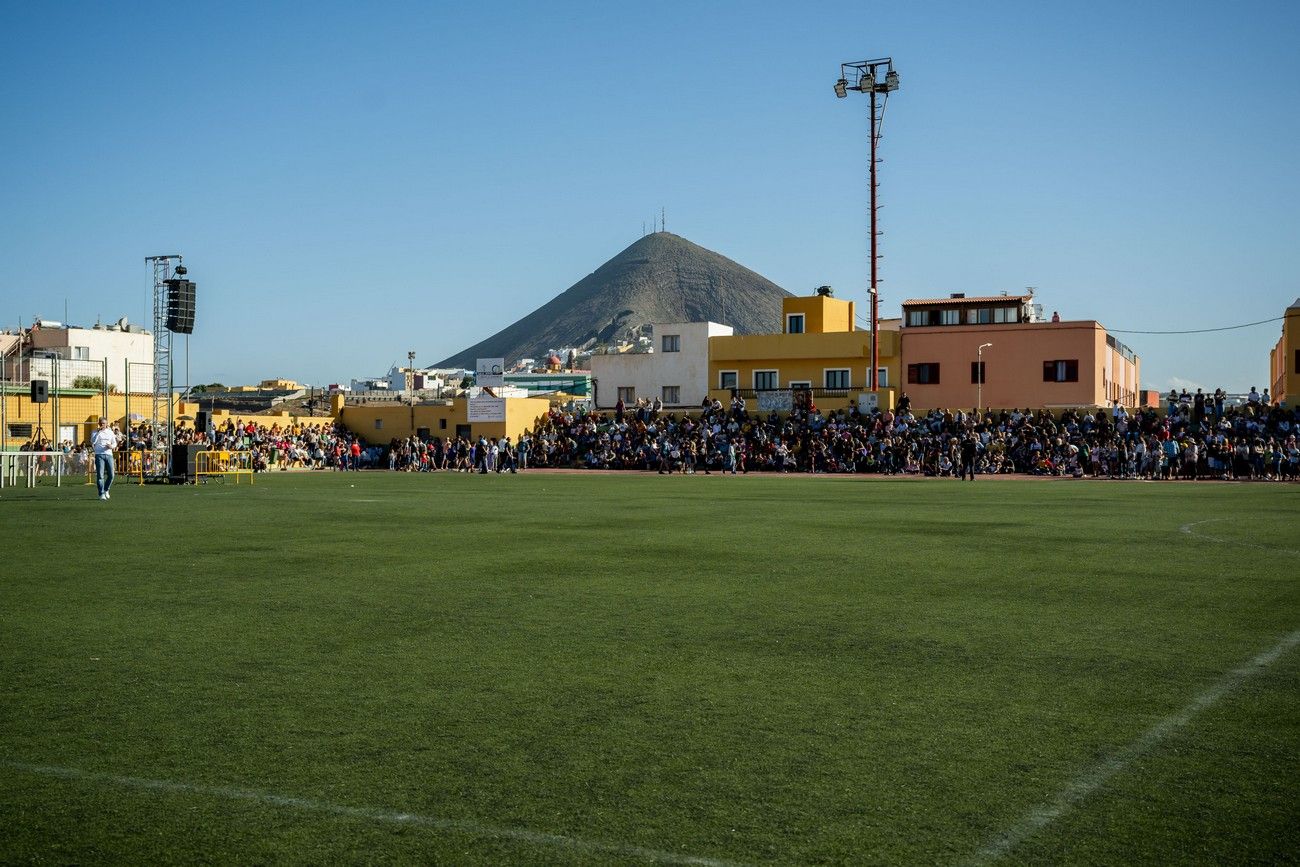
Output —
<point x="181" y="271"/>
<point x="891" y="81"/>
<point x="841" y="88"/>
<point x="867" y="82"/>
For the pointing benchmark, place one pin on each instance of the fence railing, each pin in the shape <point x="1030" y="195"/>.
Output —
<point x="28" y="469"/>
<point x="144" y="464"/>
<point x="224" y="463"/>
<point x="753" y="393"/>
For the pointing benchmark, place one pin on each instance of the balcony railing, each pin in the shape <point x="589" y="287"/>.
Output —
<point x="753" y="393"/>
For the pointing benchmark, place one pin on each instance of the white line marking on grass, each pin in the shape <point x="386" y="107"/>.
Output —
<point x="1190" y="531"/>
<point x="1094" y="778"/>
<point x="464" y="826"/>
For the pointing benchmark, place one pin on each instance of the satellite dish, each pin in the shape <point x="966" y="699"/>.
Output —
<point x="123" y="324"/>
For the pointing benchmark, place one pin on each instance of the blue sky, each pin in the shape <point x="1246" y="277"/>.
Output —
<point x="350" y="181"/>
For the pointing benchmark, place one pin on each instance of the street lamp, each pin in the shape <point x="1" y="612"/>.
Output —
<point x="873" y="77"/>
<point x="979" y="381"/>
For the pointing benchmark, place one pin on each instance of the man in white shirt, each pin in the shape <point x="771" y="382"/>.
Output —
<point x="104" y="442"/>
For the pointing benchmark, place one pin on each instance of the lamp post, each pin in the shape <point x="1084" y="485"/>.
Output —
<point x="410" y="387"/>
<point x="979" y="382"/>
<point x="873" y="77"/>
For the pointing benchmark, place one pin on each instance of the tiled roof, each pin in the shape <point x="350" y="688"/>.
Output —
<point x="971" y="299"/>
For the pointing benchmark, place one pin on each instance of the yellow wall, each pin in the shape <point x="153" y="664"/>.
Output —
<point x="78" y="407"/>
<point x="822" y="314"/>
<point x="84" y="410"/>
<point x="802" y="357"/>
<point x="401" y="421"/>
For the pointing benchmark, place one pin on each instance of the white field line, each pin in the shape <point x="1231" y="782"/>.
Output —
<point x="371" y="814"/>
<point x="1095" y="777"/>
<point x="1190" y="530"/>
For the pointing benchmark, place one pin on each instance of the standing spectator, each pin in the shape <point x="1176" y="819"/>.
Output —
<point x="968" y="452"/>
<point x="105" y="443"/>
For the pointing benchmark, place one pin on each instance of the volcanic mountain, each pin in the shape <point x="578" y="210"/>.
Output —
<point x="660" y="278"/>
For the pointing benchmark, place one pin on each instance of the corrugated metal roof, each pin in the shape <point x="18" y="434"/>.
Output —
<point x="975" y="299"/>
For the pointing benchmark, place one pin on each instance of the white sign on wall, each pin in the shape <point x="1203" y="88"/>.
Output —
<point x="490" y="372"/>
<point x="485" y="407"/>
<point x="779" y="400"/>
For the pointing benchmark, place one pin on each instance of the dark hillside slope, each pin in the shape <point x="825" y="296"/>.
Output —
<point x="660" y="278"/>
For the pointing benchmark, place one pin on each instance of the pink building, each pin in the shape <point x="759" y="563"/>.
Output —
<point x="997" y="350"/>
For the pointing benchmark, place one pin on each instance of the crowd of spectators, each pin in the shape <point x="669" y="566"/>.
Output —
<point x="1197" y="437"/>
<point x="298" y="445"/>
<point x="458" y="454"/>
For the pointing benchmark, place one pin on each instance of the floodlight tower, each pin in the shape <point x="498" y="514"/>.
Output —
<point x="876" y="78"/>
<point x="410" y="376"/>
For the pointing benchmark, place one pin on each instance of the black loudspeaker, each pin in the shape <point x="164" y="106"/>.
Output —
<point x="201" y="420"/>
<point x="180" y="306"/>
<point x="185" y="462"/>
<point x="40" y="391"/>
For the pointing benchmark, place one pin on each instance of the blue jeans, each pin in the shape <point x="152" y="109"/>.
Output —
<point x="104" y="471"/>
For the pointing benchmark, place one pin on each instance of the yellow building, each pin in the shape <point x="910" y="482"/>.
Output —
<point x="72" y="415"/>
<point x="819" y="348"/>
<point x="267" y="385"/>
<point x="1284" y="360"/>
<point x="381" y="422"/>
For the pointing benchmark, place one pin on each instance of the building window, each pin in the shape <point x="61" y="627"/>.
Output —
<point x="627" y="394"/>
<point x="1065" y="370"/>
<point x="672" y="394"/>
<point x="765" y="379"/>
<point x="794" y="323"/>
<point x="950" y="317"/>
<point x="672" y="343"/>
<point x="442" y="424"/>
<point x="379" y="424"/>
<point x="1004" y="314"/>
<point x="882" y="377"/>
<point x="81" y="353"/>
<point x="726" y="379"/>
<point x="838" y="378"/>
<point x="977" y="373"/>
<point x="917" y="317"/>
<point x="923" y="374"/>
<point x="20" y="431"/>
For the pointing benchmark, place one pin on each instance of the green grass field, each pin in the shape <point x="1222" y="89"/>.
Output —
<point x="592" y="669"/>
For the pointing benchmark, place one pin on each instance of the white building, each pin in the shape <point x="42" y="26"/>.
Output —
<point x="676" y="370"/>
<point x="86" y="354"/>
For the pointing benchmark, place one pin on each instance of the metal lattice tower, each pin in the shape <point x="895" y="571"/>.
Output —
<point x="160" y="419"/>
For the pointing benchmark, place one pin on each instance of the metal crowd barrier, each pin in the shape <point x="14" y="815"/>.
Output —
<point x="224" y="463"/>
<point x="142" y="464"/>
<point x="27" y="468"/>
